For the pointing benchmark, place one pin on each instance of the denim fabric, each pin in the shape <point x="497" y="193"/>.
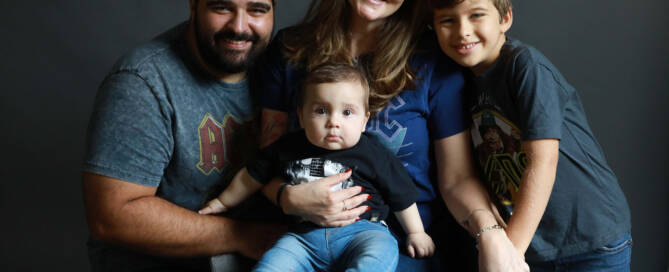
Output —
<point x="361" y="246"/>
<point x="613" y="257"/>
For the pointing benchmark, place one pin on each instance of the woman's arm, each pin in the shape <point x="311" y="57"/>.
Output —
<point x="468" y="201"/>
<point x="536" y="185"/>
<point x="313" y="201"/>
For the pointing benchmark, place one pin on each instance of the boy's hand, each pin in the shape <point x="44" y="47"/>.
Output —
<point x="420" y="245"/>
<point x="213" y="206"/>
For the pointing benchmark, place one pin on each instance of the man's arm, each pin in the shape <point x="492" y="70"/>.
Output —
<point x="468" y="201"/>
<point x="536" y="185"/>
<point x="130" y="215"/>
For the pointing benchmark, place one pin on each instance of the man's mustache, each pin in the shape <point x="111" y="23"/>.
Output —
<point x="231" y="35"/>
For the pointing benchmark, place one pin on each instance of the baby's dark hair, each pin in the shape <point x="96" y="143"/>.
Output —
<point x="502" y="6"/>
<point x="333" y="73"/>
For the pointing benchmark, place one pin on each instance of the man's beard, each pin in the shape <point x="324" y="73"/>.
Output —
<point x="228" y="60"/>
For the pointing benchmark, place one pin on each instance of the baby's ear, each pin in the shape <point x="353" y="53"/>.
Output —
<point x="364" y="126"/>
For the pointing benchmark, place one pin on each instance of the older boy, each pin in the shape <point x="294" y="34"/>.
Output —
<point x="561" y="202"/>
<point x="333" y="110"/>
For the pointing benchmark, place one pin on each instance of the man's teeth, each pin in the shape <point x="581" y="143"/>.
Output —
<point x="236" y="41"/>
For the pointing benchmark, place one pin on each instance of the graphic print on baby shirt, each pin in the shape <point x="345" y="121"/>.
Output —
<point x="310" y="169"/>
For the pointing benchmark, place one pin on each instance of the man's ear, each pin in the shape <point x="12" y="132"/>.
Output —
<point x="507" y="20"/>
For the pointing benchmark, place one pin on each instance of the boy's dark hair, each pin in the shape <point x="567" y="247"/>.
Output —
<point x="333" y="73"/>
<point x="502" y="6"/>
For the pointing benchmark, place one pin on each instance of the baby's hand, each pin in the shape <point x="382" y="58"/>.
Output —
<point x="420" y="245"/>
<point x="213" y="206"/>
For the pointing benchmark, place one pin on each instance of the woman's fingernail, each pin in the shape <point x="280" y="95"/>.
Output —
<point x="369" y="197"/>
<point x="348" y="170"/>
<point x="362" y="190"/>
<point x="368" y="208"/>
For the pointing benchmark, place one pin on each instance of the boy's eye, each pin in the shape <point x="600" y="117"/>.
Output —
<point x="477" y="15"/>
<point x="320" y="111"/>
<point x="347" y="112"/>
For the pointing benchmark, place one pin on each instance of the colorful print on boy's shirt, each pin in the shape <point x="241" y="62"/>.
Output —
<point x="497" y="145"/>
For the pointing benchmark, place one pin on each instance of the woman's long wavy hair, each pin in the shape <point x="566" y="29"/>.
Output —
<point x="323" y="37"/>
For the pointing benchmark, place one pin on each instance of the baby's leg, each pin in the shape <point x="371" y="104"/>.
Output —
<point x="295" y="252"/>
<point x="370" y="248"/>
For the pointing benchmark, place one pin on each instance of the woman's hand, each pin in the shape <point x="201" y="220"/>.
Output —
<point x="497" y="253"/>
<point x="315" y="202"/>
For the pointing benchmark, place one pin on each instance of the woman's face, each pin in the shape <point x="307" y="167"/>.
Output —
<point x="374" y="10"/>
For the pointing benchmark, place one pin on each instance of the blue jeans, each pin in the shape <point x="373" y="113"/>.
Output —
<point x="361" y="246"/>
<point x="614" y="257"/>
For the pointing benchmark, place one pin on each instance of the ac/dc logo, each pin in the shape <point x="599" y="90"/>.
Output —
<point x="216" y="142"/>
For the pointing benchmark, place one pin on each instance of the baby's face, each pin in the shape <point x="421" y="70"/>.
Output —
<point x="333" y="115"/>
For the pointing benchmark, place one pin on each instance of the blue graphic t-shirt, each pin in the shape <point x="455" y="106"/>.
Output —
<point x="161" y="121"/>
<point x="406" y="126"/>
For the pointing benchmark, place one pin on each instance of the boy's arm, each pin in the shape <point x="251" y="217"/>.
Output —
<point x="536" y="185"/>
<point x="240" y="188"/>
<point x="419" y="244"/>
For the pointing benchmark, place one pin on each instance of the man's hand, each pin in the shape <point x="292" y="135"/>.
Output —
<point x="315" y="202"/>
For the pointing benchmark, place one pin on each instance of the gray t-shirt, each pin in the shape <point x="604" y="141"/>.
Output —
<point x="524" y="97"/>
<point x="159" y="120"/>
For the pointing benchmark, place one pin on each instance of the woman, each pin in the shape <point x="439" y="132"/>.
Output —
<point x="418" y="105"/>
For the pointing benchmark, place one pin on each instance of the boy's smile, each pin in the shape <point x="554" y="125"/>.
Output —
<point x="472" y="33"/>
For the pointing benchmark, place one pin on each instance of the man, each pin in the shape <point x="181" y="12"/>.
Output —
<point x="171" y="123"/>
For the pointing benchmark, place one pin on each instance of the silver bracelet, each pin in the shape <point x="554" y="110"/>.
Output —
<point x="478" y="235"/>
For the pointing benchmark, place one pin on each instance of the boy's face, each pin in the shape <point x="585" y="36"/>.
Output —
<point x="471" y="33"/>
<point x="333" y="115"/>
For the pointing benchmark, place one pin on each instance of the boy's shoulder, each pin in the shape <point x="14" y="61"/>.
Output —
<point x="519" y="56"/>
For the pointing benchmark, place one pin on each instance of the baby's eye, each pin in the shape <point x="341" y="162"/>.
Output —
<point x="320" y="111"/>
<point x="347" y="112"/>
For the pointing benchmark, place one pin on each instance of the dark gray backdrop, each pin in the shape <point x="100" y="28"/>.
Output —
<point x="55" y="53"/>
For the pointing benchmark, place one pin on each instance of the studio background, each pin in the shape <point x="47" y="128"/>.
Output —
<point x="56" y="53"/>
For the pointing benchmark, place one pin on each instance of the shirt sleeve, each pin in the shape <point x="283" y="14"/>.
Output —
<point x="129" y="135"/>
<point x="394" y="182"/>
<point x="264" y="166"/>
<point x="540" y="98"/>
<point x="276" y="92"/>
<point x="445" y="102"/>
